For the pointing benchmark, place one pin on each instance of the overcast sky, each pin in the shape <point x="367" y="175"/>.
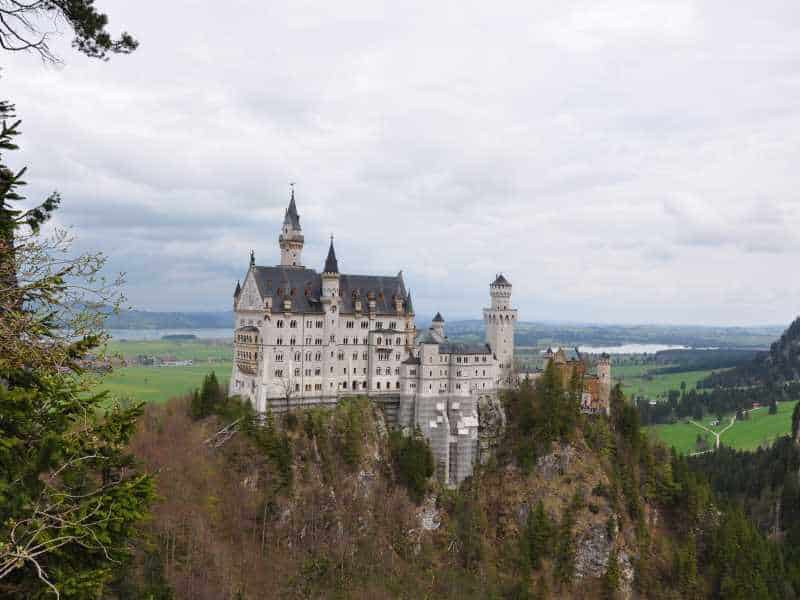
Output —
<point x="620" y="162"/>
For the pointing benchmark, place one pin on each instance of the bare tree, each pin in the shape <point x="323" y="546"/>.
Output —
<point x="27" y="26"/>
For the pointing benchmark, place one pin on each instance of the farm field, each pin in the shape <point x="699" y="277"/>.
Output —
<point x="639" y="384"/>
<point x="760" y="429"/>
<point x="158" y="384"/>
<point x="197" y="350"/>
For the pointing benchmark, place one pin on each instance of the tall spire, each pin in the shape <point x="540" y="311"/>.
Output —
<point x="331" y="264"/>
<point x="409" y="304"/>
<point x="291" y="238"/>
<point x="291" y="217"/>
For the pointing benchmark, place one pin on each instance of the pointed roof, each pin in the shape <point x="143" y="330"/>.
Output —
<point x="500" y="280"/>
<point x="409" y="305"/>
<point x="291" y="217"/>
<point x="438" y="318"/>
<point x="331" y="264"/>
<point x="238" y="289"/>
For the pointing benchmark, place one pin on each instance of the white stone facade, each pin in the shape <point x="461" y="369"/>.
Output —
<point x="304" y="338"/>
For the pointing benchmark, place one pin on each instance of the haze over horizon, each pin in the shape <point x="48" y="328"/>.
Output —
<point x="630" y="162"/>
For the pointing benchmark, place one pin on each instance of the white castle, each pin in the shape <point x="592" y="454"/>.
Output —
<point x="304" y="338"/>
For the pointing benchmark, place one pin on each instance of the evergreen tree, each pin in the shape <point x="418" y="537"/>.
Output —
<point x="538" y="535"/>
<point x="612" y="576"/>
<point x="70" y="495"/>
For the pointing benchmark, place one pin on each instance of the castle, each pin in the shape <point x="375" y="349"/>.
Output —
<point x="304" y="338"/>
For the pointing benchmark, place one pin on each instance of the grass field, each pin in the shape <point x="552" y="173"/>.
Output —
<point x="197" y="350"/>
<point x="159" y="384"/>
<point x="760" y="429"/>
<point x="656" y="387"/>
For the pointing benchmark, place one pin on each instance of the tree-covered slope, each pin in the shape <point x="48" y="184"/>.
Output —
<point x="780" y="364"/>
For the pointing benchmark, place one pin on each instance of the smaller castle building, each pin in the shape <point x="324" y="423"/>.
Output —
<point x="595" y="384"/>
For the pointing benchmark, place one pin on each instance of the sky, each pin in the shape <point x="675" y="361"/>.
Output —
<point x="619" y="162"/>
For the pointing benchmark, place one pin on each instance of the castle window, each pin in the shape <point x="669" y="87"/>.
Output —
<point x="397" y="385"/>
<point x="355" y="340"/>
<point x="318" y="342"/>
<point x="309" y="324"/>
<point x="292" y="341"/>
<point x="308" y="372"/>
<point x="379" y="325"/>
<point x="293" y="324"/>
<point x="344" y="371"/>
<point x="355" y="355"/>
<point x="318" y="356"/>
<point x="279" y="341"/>
<point x="363" y="385"/>
<point x="333" y="339"/>
<point x="308" y="341"/>
<point x="392" y="325"/>
<point x="397" y="370"/>
<point x="345" y="340"/>
<point x="412" y="372"/>
<point x="279" y="357"/>
<point x="278" y="372"/>
<point x="397" y="356"/>
<point x="397" y="341"/>
<point x="317" y="372"/>
<point x="364" y="324"/>
<point x="341" y="356"/>
<point x="318" y="324"/>
<point x="349" y="324"/>
<point x="279" y="324"/>
<point x="364" y="356"/>
<point x="296" y="387"/>
<point x="308" y="387"/>
<point x="297" y="372"/>
<point x="365" y="341"/>
<point x="380" y="339"/>
<point x="308" y="355"/>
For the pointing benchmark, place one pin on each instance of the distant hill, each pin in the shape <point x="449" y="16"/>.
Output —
<point x="780" y="364"/>
<point x="141" y="319"/>
<point x="528" y="333"/>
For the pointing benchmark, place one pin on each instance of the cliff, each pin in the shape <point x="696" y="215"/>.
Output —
<point x="323" y="506"/>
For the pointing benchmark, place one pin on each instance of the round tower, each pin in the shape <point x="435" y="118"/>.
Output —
<point x="291" y="238"/>
<point x="499" y="320"/>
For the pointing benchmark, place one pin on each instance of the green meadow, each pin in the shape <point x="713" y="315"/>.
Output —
<point x="636" y="381"/>
<point x="761" y="429"/>
<point x="159" y="384"/>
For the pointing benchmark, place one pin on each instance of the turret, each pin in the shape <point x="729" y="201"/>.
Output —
<point x="330" y="274"/>
<point x="291" y="238"/>
<point x="438" y="325"/>
<point x="499" y="320"/>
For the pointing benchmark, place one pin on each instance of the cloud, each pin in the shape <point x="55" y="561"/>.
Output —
<point x="620" y="161"/>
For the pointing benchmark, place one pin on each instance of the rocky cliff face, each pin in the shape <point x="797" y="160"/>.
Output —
<point x="316" y="510"/>
<point x="491" y="426"/>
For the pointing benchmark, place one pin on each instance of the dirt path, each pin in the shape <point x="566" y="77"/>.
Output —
<point x="714" y="433"/>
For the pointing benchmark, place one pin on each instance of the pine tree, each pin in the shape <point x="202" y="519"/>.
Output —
<point x="612" y="576"/>
<point x="538" y="535"/>
<point x="70" y="495"/>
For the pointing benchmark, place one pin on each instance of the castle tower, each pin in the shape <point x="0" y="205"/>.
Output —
<point x="438" y="325"/>
<point x="604" y="375"/>
<point x="499" y="320"/>
<point x="330" y="275"/>
<point x="291" y="237"/>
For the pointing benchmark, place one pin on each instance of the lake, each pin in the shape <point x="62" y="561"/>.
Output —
<point x="630" y="349"/>
<point x="139" y="335"/>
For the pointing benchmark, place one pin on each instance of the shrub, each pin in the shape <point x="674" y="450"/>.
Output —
<point x="413" y="462"/>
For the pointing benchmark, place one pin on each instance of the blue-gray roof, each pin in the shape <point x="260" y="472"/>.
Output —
<point x="291" y="217"/>
<point x="500" y="280"/>
<point x="463" y="348"/>
<point x="304" y="287"/>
